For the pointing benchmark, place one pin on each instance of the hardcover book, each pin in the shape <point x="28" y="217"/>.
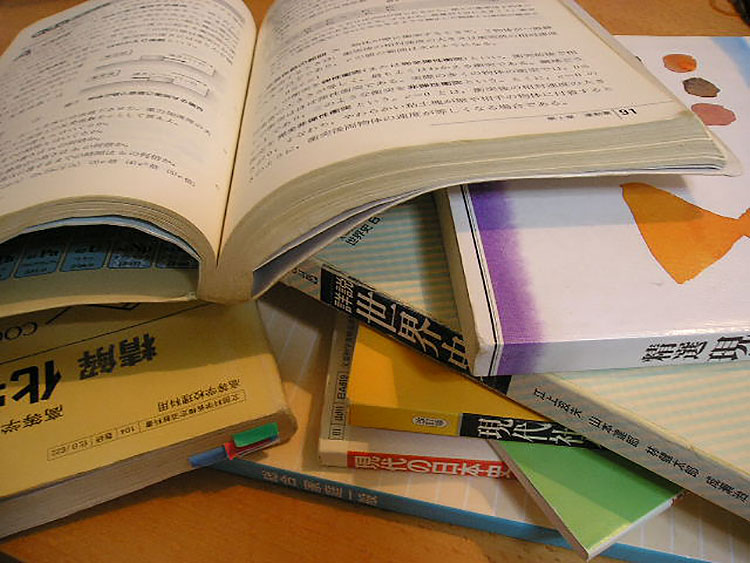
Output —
<point x="613" y="272"/>
<point x="96" y="402"/>
<point x="684" y="422"/>
<point x="125" y="116"/>
<point x="298" y="329"/>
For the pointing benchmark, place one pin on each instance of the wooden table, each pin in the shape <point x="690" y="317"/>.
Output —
<point x="208" y="515"/>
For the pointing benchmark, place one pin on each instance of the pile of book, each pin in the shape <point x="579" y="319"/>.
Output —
<point x="526" y="255"/>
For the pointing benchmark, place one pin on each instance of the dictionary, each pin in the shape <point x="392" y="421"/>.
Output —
<point x="97" y="402"/>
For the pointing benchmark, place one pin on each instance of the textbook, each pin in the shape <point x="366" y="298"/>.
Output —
<point x="683" y="422"/>
<point x="613" y="272"/>
<point x="687" y="424"/>
<point x="391" y="386"/>
<point x="132" y="114"/>
<point x="593" y="497"/>
<point x="343" y="445"/>
<point x="391" y="273"/>
<point x="298" y="329"/>
<point x="96" y="402"/>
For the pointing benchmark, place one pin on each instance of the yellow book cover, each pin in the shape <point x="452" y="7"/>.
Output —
<point x="394" y="387"/>
<point x="98" y="401"/>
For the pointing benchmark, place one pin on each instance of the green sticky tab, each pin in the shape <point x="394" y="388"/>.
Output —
<point x="255" y="435"/>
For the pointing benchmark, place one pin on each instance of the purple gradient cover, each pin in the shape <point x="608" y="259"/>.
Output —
<point x="521" y="328"/>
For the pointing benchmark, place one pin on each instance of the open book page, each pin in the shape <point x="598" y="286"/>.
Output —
<point x="92" y="263"/>
<point x="333" y="82"/>
<point x="125" y="102"/>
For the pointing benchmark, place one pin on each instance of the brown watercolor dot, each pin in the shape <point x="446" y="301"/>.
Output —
<point x="714" y="114"/>
<point x="700" y="87"/>
<point x="679" y="62"/>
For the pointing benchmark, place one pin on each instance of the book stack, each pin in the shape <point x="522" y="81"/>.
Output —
<point x="556" y="282"/>
<point x="534" y="249"/>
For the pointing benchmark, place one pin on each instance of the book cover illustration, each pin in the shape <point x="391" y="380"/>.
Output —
<point x="618" y="272"/>
<point x="690" y="530"/>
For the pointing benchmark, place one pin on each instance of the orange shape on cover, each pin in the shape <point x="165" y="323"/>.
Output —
<point x="684" y="238"/>
<point x="678" y="62"/>
<point x="714" y="114"/>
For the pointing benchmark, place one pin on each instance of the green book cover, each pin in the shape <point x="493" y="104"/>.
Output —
<point x="592" y="496"/>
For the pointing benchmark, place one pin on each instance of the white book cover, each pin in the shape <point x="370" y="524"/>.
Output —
<point x="577" y="274"/>
<point x="687" y="423"/>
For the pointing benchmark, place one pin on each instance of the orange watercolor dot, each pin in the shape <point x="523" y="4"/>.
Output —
<point x="678" y="62"/>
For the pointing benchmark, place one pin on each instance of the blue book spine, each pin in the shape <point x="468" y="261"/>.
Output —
<point x="431" y="511"/>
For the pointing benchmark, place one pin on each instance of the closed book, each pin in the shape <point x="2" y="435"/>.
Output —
<point x="343" y="445"/>
<point x="591" y="495"/>
<point x="391" y="386"/>
<point x="96" y="402"/>
<point x="684" y="422"/>
<point x="391" y="273"/>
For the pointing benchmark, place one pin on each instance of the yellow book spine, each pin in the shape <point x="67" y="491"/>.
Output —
<point x="409" y="420"/>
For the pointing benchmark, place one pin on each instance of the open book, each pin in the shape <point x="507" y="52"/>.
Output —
<point x="172" y="119"/>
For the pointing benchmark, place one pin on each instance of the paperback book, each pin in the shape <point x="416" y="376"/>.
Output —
<point x="343" y="445"/>
<point x="298" y="329"/>
<point x="391" y="386"/>
<point x="593" y="497"/>
<point x="685" y="422"/>
<point x="124" y="116"/>
<point x="391" y="273"/>
<point x="590" y="513"/>
<point x="96" y="402"/>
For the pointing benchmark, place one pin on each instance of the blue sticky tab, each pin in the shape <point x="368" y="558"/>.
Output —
<point x="210" y="457"/>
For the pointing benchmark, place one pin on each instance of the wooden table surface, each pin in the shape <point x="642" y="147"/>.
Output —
<point x="209" y="515"/>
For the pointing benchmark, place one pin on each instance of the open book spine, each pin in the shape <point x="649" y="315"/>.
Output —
<point x="387" y="314"/>
<point x="636" y="438"/>
<point x="374" y="448"/>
